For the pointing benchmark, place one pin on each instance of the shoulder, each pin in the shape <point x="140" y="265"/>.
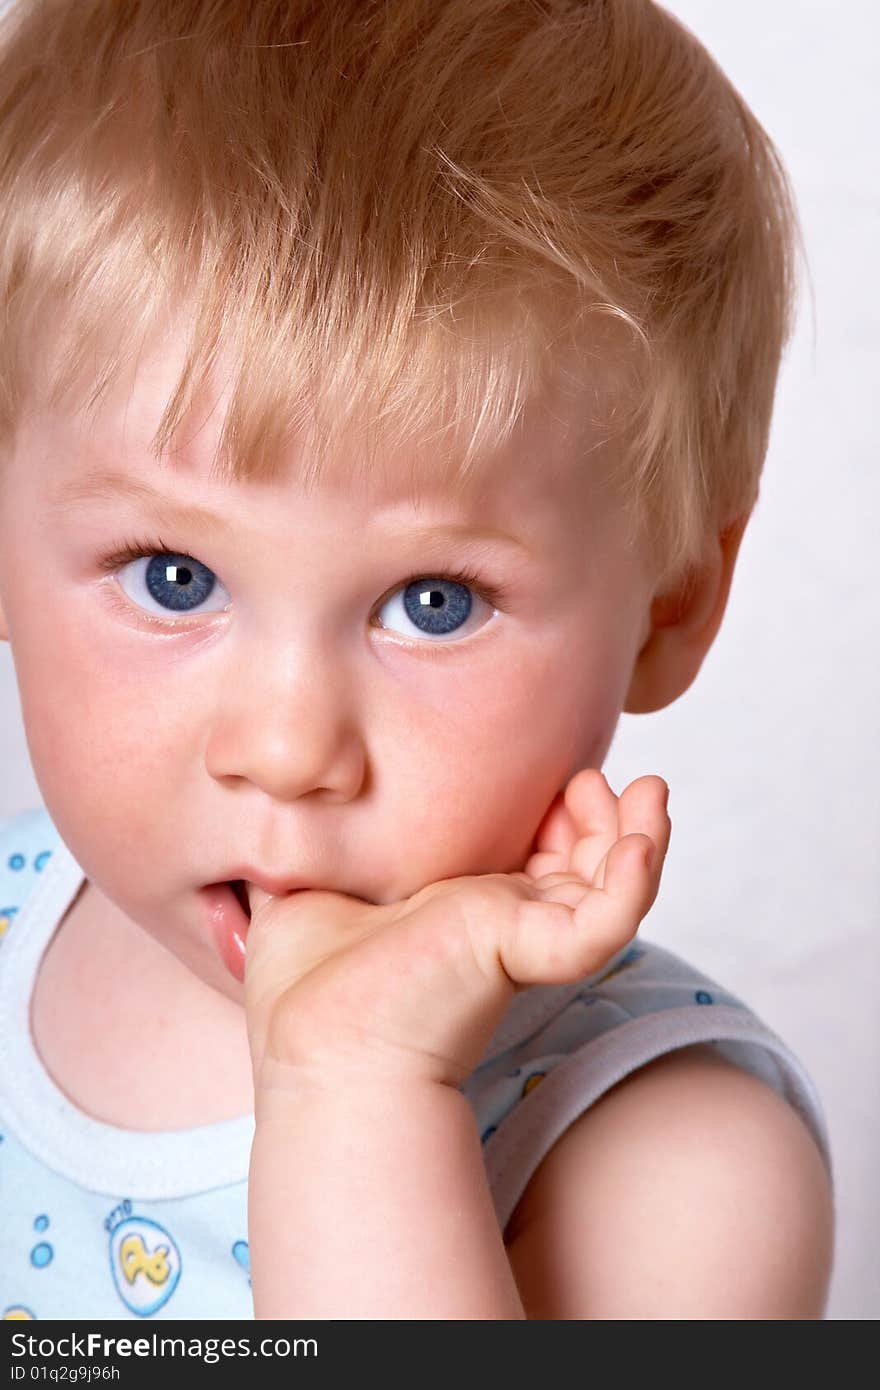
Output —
<point x="690" y="1190"/>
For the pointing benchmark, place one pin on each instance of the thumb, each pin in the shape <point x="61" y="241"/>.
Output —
<point x="256" y="897"/>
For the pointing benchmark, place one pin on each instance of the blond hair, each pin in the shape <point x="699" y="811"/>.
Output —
<point x="398" y="214"/>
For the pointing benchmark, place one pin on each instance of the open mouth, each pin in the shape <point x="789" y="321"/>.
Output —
<point x="238" y="888"/>
<point x="227" y="922"/>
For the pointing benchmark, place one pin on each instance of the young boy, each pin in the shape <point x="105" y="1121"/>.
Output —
<point x="384" y="393"/>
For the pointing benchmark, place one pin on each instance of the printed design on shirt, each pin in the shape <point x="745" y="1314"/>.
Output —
<point x="517" y="1093"/>
<point x="18" y="1313"/>
<point x="17" y="862"/>
<point x="43" y="1253"/>
<point x="144" y="1260"/>
<point x="241" y="1253"/>
<point x="135" y="1259"/>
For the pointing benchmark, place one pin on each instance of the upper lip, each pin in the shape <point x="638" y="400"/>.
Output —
<point x="276" y="887"/>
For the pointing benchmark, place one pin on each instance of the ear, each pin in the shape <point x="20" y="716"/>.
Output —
<point x="683" y="625"/>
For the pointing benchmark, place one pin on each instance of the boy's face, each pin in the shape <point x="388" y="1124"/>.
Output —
<point x="269" y="718"/>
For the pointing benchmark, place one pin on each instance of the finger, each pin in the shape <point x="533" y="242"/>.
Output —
<point x="593" y="806"/>
<point x="257" y="898"/>
<point x="557" y="832"/>
<point x="586" y="806"/>
<point x="642" y="810"/>
<point x="572" y="929"/>
<point x="290" y="933"/>
<point x="541" y="944"/>
<point x="289" y="936"/>
<point x="551" y="941"/>
<point x="550" y="862"/>
<point x="611" y="915"/>
<point x="564" y="928"/>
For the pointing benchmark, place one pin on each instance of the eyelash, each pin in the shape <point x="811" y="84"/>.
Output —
<point x="493" y="594"/>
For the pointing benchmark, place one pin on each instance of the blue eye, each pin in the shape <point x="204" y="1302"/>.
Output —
<point x="175" y="583"/>
<point x="179" y="581"/>
<point x="434" y="606"/>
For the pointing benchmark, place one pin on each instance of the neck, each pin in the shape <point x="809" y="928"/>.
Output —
<point x="130" y="1035"/>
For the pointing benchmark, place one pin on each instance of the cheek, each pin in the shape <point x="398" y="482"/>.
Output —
<point x="477" y="770"/>
<point x="95" y="744"/>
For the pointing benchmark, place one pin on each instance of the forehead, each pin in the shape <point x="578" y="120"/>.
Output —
<point x="548" y="473"/>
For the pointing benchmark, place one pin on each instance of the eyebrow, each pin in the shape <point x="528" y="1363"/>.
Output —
<point x="106" y="484"/>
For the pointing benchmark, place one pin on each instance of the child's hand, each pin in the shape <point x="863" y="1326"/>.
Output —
<point x="416" y="988"/>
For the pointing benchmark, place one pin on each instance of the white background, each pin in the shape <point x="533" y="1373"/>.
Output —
<point x="772" y="884"/>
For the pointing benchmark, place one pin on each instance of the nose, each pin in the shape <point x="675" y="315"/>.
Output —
<point x="289" y="724"/>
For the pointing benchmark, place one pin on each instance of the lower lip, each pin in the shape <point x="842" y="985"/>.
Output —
<point x="228" y="925"/>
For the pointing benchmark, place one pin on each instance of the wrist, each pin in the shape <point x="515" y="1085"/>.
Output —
<point x="284" y="1091"/>
<point x="368" y="1198"/>
<point x="332" y="1069"/>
